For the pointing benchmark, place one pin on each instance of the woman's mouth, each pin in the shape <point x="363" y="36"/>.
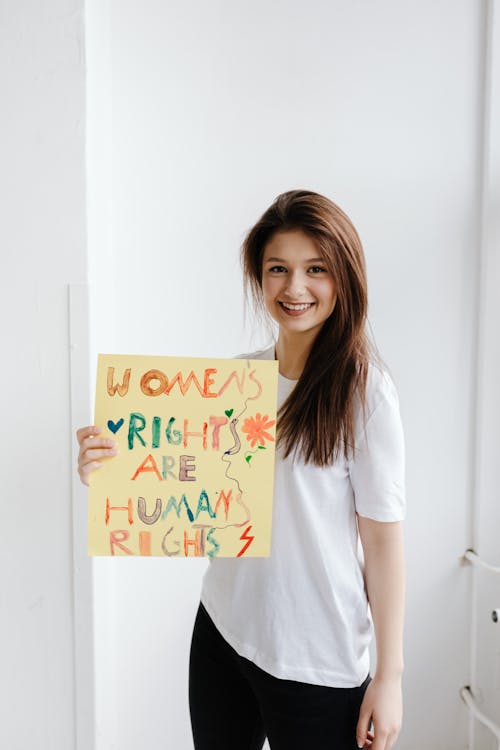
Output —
<point x="296" y="309"/>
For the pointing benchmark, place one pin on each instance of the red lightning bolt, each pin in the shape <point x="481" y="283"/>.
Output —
<point x="249" y="542"/>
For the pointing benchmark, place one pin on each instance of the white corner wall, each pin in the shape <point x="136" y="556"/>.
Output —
<point x="198" y="118"/>
<point x="485" y="513"/>
<point x="43" y="241"/>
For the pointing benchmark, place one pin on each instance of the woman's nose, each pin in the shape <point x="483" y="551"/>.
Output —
<point x="296" y="285"/>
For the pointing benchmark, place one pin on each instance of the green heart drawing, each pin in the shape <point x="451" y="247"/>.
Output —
<point x="228" y="412"/>
<point x="248" y="459"/>
<point x="115" y="426"/>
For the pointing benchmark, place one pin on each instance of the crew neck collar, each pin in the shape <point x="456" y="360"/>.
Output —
<point x="271" y="354"/>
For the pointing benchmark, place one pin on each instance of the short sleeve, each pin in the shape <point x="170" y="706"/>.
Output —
<point x="377" y="470"/>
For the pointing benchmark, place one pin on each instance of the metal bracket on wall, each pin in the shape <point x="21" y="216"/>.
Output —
<point x="471" y="703"/>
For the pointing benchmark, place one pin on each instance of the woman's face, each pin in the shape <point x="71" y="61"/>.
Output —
<point x="299" y="290"/>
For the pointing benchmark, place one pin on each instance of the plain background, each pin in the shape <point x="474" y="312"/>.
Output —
<point x="140" y="142"/>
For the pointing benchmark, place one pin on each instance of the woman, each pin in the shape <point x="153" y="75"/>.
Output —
<point x="280" y="644"/>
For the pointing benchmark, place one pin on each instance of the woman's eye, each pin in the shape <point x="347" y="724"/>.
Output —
<point x="317" y="268"/>
<point x="276" y="269"/>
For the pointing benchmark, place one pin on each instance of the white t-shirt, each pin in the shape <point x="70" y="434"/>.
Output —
<point x="302" y="613"/>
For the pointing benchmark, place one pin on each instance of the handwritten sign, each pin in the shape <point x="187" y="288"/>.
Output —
<point x="194" y="475"/>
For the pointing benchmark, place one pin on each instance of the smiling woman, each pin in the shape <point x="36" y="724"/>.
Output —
<point x="289" y="634"/>
<point x="282" y="642"/>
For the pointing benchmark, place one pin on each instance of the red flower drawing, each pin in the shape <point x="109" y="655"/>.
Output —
<point x="256" y="427"/>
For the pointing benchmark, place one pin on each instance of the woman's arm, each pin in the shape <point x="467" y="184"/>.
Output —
<point x="383" y="551"/>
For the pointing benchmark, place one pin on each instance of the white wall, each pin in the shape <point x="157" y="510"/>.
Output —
<point x="201" y="115"/>
<point x="485" y="664"/>
<point x="42" y="236"/>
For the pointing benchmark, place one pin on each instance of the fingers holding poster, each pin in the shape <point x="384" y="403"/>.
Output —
<point x="194" y="474"/>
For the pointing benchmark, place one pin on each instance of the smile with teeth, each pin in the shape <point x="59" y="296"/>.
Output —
<point x="301" y="306"/>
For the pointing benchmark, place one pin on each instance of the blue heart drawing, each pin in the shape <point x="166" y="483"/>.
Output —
<point x="115" y="426"/>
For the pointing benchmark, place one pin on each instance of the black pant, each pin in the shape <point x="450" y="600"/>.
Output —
<point x="235" y="705"/>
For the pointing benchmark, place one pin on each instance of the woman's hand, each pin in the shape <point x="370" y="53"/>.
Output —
<point x="382" y="704"/>
<point x="91" y="450"/>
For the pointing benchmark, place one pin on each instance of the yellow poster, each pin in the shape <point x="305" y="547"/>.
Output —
<point x="194" y="474"/>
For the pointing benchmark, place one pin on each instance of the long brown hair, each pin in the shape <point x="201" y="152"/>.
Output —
<point x="317" y="419"/>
